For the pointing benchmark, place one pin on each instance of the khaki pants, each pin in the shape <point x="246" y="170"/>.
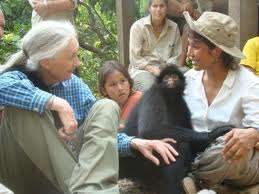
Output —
<point x="211" y="168"/>
<point x="32" y="155"/>
<point x="143" y="80"/>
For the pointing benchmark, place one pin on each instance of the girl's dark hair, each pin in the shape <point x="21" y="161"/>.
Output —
<point x="229" y="61"/>
<point x="109" y="67"/>
<point x="151" y="1"/>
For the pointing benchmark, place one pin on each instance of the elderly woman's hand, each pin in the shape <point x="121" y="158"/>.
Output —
<point x="162" y="147"/>
<point x="238" y="142"/>
<point x="66" y="115"/>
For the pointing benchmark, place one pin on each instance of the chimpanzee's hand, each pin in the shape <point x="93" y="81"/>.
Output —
<point x="148" y="147"/>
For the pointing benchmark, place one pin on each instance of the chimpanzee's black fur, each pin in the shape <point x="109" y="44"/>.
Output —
<point x="162" y="113"/>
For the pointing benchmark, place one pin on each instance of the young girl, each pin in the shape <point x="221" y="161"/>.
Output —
<point x="115" y="83"/>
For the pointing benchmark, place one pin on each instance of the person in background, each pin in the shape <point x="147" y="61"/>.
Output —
<point x="47" y="105"/>
<point x="2" y="23"/>
<point x="155" y="42"/>
<point x="175" y="13"/>
<point x="251" y="51"/>
<point x="52" y="10"/>
<point x="212" y="5"/>
<point x="221" y="92"/>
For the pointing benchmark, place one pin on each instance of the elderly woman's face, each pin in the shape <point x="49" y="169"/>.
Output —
<point x="61" y="67"/>
<point x="158" y="10"/>
<point x="2" y="22"/>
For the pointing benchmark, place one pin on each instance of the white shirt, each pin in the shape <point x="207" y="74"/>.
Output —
<point x="237" y="102"/>
<point x="57" y="16"/>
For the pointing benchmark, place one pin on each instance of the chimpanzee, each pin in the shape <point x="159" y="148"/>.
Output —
<point x="162" y="113"/>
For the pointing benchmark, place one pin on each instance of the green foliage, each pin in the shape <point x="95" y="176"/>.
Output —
<point x="96" y="25"/>
<point x="188" y="63"/>
<point x="17" y="23"/>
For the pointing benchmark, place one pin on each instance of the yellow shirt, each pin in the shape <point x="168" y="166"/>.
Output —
<point x="251" y="51"/>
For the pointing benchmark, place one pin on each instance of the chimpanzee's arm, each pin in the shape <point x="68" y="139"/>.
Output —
<point x="131" y="125"/>
<point x="198" y="139"/>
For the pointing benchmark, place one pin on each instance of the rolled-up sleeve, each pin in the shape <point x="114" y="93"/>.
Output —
<point x="124" y="144"/>
<point x="18" y="91"/>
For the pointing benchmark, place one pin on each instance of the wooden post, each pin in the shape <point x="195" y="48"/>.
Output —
<point x="125" y="10"/>
<point x="245" y="14"/>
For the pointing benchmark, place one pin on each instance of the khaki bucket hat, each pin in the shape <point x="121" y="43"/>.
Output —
<point x="218" y="28"/>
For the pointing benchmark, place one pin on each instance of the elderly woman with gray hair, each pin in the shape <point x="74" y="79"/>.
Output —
<point x="46" y="104"/>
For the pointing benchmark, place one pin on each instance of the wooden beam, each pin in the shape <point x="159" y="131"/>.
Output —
<point x="125" y="10"/>
<point x="245" y="14"/>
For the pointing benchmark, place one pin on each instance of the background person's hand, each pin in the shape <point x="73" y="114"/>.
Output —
<point x="67" y="118"/>
<point x="195" y="14"/>
<point x="238" y="142"/>
<point x="153" y="69"/>
<point x="39" y="7"/>
<point x="162" y="147"/>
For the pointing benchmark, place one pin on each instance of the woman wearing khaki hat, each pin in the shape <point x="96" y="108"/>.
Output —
<point x="220" y="92"/>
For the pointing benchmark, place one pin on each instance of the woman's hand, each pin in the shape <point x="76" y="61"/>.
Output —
<point x="238" y="142"/>
<point x="39" y="7"/>
<point x="187" y="6"/>
<point x="66" y="115"/>
<point x="162" y="147"/>
<point x="153" y="69"/>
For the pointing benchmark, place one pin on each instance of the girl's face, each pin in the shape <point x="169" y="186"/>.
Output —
<point x="201" y="56"/>
<point x="158" y="10"/>
<point x="117" y="87"/>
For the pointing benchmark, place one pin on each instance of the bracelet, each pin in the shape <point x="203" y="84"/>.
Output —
<point x="69" y="134"/>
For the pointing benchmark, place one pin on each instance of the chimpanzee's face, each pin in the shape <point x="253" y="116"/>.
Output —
<point x="171" y="80"/>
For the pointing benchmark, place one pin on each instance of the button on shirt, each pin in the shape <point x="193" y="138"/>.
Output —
<point x="17" y="90"/>
<point x="237" y="102"/>
<point x="147" y="49"/>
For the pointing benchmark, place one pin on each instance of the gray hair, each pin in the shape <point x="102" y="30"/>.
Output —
<point x="43" y="41"/>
